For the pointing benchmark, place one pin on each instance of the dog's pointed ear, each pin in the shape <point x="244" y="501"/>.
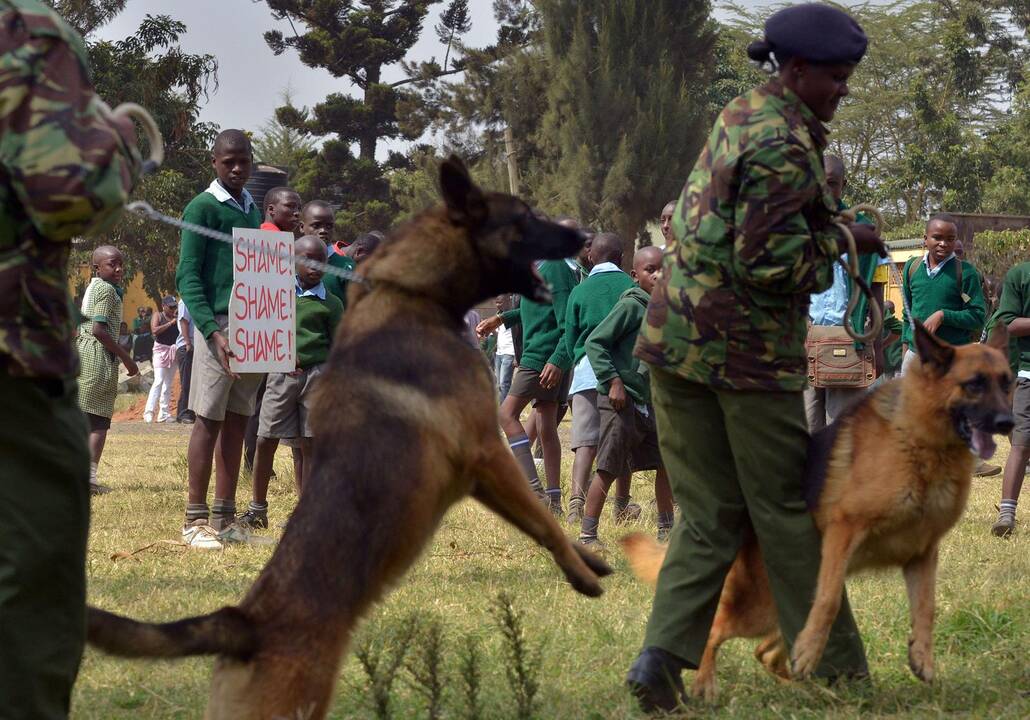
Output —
<point x="465" y="203"/>
<point x="933" y="352"/>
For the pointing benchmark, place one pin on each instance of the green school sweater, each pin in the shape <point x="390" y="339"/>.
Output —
<point x="1015" y="303"/>
<point x="316" y="326"/>
<point x="336" y="285"/>
<point x="542" y="324"/>
<point x="204" y="275"/>
<point x="589" y="304"/>
<point x="928" y="295"/>
<point x="610" y="347"/>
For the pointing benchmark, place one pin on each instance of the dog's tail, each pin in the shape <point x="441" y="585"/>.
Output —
<point x="224" y="632"/>
<point x="645" y="556"/>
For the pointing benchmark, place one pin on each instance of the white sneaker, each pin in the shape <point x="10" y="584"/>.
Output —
<point x="202" y="536"/>
<point x="148" y="417"/>
<point x="236" y="534"/>
<point x="164" y="418"/>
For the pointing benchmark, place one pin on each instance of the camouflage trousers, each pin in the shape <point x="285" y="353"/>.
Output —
<point x="733" y="456"/>
<point x="44" y="520"/>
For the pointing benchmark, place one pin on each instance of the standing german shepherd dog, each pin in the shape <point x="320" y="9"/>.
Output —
<point x="405" y="426"/>
<point x="885" y="482"/>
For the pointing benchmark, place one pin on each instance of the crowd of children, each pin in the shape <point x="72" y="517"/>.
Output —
<point x="190" y="334"/>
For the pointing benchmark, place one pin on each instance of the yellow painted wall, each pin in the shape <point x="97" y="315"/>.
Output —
<point x="900" y="257"/>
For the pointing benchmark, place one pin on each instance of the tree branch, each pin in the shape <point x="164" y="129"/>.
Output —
<point x="437" y="76"/>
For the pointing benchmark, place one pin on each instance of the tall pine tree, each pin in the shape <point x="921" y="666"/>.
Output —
<point x="358" y="40"/>
<point x="628" y="105"/>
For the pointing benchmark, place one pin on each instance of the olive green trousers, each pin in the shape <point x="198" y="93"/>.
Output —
<point x="44" y="521"/>
<point x="735" y="457"/>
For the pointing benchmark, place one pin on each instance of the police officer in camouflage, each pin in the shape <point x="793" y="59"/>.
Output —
<point x="724" y="337"/>
<point x="66" y="171"/>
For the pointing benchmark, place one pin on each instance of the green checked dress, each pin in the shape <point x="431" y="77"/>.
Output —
<point x="98" y="382"/>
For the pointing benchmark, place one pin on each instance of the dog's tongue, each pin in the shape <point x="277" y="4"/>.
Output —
<point x="983" y="444"/>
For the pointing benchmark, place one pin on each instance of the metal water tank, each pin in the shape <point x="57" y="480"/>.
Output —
<point x="262" y="179"/>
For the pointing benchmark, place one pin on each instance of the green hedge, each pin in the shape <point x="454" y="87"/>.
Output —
<point x="995" y="251"/>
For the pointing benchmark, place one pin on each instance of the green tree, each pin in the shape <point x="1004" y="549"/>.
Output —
<point x="280" y="145"/>
<point x="87" y="15"/>
<point x="359" y="41"/>
<point x="628" y="105"/>
<point x="150" y="68"/>
<point x="454" y="22"/>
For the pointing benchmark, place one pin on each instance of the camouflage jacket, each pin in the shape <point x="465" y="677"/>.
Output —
<point x="752" y="240"/>
<point x="65" y="171"/>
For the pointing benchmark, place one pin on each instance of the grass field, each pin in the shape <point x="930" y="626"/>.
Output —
<point x="577" y="650"/>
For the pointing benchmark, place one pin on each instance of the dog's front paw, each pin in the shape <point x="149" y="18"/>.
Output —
<point x="584" y="583"/>
<point x="593" y="560"/>
<point x="808" y="650"/>
<point x="920" y="659"/>
<point x="704" y="688"/>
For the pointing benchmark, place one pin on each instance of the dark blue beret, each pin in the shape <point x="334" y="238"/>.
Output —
<point x="813" y="31"/>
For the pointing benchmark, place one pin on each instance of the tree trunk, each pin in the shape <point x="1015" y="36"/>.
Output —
<point x="369" y="138"/>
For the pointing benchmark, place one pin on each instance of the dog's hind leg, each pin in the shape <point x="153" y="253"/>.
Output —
<point x="501" y="486"/>
<point x="840" y="540"/>
<point x="920" y="581"/>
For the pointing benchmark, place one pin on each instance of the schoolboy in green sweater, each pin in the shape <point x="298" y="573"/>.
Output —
<point x="629" y="437"/>
<point x="589" y="304"/>
<point x="943" y="291"/>
<point x="286" y="410"/>
<point x="538" y="378"/>
<point x="222" y="399"/>
<point x="1014" y="312"/>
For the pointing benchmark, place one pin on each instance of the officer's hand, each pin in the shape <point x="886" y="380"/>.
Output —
<point x="126" y="128"/>
<point x="550" y="376"/>
<point x="866" y="240"/>
<point x="617" y="394"/>
<point x="224" y="353"/>
<point x="131" y="367"/>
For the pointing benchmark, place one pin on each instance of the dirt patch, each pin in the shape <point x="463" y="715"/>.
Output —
<point x="139" y="404"/>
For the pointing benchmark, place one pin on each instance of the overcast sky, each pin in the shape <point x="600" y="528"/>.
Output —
<point x="250" y="77"/>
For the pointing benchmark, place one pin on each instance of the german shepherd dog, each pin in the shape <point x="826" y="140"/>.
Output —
<point x="885" y="482"/>
<point x="405" y="426"/>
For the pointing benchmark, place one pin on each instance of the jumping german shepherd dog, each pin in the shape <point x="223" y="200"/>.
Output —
<point x="405" y="426"/>
<point x="885" y="482"/>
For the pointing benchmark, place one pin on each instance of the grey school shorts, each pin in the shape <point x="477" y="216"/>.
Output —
<point x="629" y="439"/>
<point x="525" y="383"/>
<point x="212" y="391"/>
<point x="1021" y="412"/>
<point x="586" y="423"/>
<point x="286" y="408"/>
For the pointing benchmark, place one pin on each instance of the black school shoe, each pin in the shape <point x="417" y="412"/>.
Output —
<point x="655" y="680"/>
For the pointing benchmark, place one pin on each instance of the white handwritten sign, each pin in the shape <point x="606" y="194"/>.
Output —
<point x="262" y="307"/>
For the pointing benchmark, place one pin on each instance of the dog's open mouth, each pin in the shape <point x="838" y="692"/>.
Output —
<point x="979" y="441"/>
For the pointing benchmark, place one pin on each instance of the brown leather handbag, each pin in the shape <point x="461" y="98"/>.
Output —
<point x="834" y="362"/>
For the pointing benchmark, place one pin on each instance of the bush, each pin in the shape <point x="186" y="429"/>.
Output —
<point x="995" y="251"/>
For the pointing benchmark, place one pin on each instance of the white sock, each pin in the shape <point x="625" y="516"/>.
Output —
<point x="93" y="472"/>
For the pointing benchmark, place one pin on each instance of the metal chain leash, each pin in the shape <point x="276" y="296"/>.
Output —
<point x="144" y="209"/>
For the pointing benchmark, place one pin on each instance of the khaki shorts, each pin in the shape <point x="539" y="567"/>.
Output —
<point x="629" y="439"/>
<point x="1021" y="411"/>
<point x="212" y="391"/>
<point x="586" y="424"/>
<point x="525" y="383"/>
<point x="286" y="408"/>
